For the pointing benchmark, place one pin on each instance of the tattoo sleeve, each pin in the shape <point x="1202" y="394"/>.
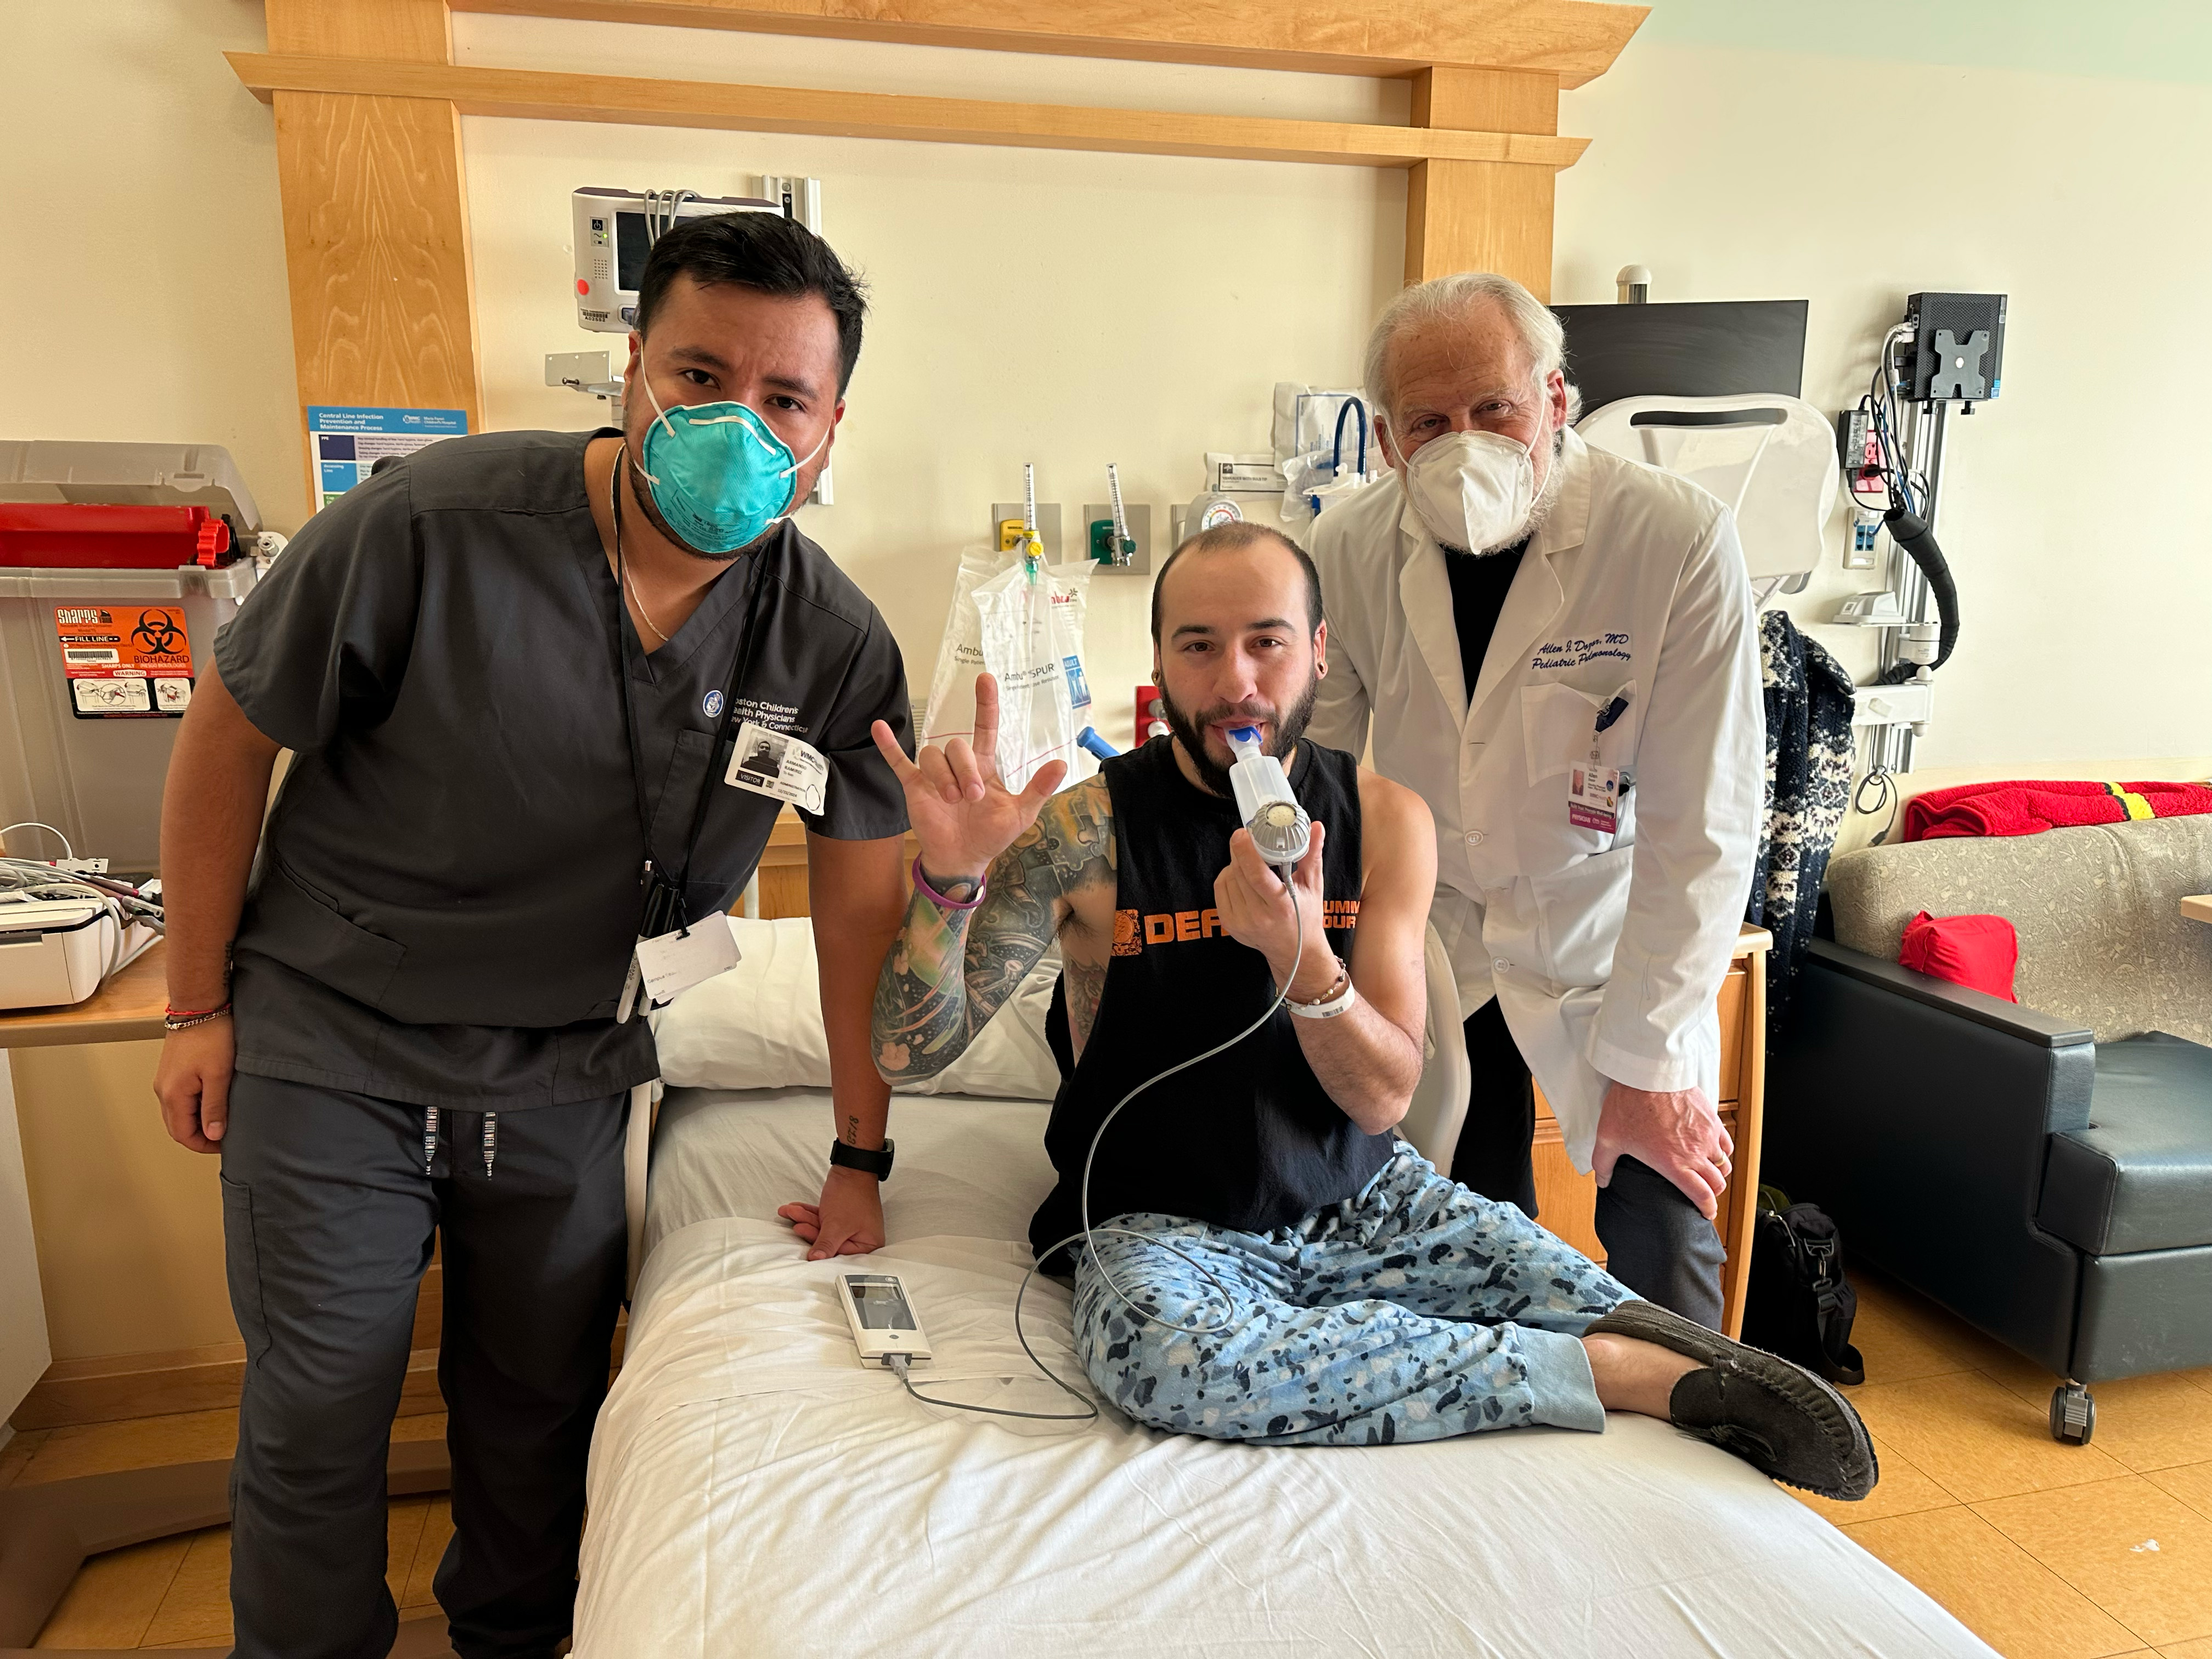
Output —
<point x="948" y="971"/>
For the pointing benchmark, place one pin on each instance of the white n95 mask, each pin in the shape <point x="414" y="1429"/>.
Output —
<point x="1472" y="491"/>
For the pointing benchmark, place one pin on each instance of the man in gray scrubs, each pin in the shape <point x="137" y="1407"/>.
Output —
<point x="513" y="669"/>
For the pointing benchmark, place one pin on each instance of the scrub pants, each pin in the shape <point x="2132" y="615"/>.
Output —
<point x="328" y="1217"/>
<point x="1416" y="1310"/>
<point x="1657" y="1242"/>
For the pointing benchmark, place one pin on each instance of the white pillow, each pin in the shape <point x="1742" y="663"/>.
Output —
<point x="759" y="1026"/>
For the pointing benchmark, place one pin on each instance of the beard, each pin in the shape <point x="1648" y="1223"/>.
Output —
<point x="1190" y="730"/>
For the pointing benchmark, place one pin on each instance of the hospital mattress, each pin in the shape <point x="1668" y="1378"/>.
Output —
<point x="755" y="1491"/>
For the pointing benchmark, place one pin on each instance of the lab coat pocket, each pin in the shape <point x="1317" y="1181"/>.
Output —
<point x="1579" y="911"/>
<point x="1556" y="721"/>
<point x="242" y="1266"/>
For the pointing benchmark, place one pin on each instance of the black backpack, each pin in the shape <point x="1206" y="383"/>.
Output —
<point x="1799" y="1306"/>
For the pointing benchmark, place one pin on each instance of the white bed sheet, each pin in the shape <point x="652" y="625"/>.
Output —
<point x="755" y="1491"/>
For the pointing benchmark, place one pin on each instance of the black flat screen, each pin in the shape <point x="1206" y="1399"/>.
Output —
<point x="1712" y="349"/>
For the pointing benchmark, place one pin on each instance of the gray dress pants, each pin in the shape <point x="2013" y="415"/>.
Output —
<point x="328" y="1217"/>
<point x="1656" y="1242"/>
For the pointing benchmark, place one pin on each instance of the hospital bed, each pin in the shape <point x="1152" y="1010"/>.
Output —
<point x="754" y="1491"/>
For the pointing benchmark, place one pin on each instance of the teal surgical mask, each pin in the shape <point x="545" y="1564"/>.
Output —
<point x="719" y="474"/>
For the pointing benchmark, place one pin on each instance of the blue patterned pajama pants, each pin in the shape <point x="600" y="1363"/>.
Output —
<point x="1416" y="1311"/>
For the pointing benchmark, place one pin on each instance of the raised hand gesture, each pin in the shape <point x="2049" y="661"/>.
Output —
<point x="962" y="813"/>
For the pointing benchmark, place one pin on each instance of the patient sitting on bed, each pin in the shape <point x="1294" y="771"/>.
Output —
<point x="1279" y="1268"/>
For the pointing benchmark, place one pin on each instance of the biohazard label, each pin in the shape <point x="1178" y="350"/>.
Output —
<point x="125" y="661"/>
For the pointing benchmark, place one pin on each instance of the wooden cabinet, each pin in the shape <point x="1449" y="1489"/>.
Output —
<point x="1567" y="1202"/>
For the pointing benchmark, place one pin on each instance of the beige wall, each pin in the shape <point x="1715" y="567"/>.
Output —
<point x="1074" y="309"/>
<point x="141" y="188"/>
<point x="1029" y="305"/>
<point x="2077" y="509"/>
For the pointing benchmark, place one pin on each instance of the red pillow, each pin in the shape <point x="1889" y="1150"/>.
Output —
<point x="1980" y="952"/>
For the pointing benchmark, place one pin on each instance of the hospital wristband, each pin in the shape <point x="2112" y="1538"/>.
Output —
<point x="1331" y="1003"/>
<point x="922" y="886"/>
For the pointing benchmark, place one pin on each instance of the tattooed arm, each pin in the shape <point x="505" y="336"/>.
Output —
<point x="950" y="971"/>
<point x="951" y="968"/>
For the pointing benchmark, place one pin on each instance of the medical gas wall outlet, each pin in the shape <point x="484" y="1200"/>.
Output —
<point x="1007" y="528"/>
<point x="1100" y="516"/>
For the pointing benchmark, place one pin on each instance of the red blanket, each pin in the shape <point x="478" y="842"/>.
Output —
<point x="2029" y="809"/>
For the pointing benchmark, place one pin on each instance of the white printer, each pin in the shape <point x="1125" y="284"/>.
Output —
<point x="56" y="951"/>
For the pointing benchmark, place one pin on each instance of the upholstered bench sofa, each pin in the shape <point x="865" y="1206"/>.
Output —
<point x="2043" y="1169"/>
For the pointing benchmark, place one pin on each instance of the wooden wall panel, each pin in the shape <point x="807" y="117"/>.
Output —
<point x="376" y="239"/>
<point x="421" y="30"/>
<point x="1480" y="215"/>
<point x="1485" y="100"/>
<point x="376" y="226"/>
<point x="1465" y="214"/>
<point x="722" y="105"/>
<point x="1573" y="40"/>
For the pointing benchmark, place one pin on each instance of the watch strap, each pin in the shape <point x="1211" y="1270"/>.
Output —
<point x="877" y="1164"/>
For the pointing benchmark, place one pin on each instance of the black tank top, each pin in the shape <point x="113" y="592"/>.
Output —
<point x="1248" y="1140"/>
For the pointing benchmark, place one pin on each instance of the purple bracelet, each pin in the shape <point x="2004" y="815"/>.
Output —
<point x="943" y="903"/>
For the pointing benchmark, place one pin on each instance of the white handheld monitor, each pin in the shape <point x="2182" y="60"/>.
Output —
<point x="882" y="1316"/>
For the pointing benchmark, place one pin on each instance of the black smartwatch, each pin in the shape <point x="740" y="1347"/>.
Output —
<point x="877" y="1164"/>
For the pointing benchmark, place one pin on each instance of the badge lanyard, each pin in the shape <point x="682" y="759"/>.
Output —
<point x="664" y="910"/>
<point x="1594" y="791"/>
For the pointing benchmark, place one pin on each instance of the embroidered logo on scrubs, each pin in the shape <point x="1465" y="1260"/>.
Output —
<point x="712" y="702"/>
<point x="1579" y="652"/>
<point x="773" y="716"/>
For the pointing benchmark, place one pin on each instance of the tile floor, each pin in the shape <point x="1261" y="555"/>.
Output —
<point x="175" y="1592"/>
<point x="2047" y="1551"/>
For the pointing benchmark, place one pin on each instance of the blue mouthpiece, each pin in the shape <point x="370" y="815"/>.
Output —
<point x="1246" y="734"/>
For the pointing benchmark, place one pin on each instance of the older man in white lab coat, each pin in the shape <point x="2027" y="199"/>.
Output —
<point x="1557" y="648"/>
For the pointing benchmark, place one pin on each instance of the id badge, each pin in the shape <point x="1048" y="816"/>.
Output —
<point x="778" y="765"/>
<point x="1594" y="791"/>
<point x="1594" y="795"/>
<point x="663" y="968"/>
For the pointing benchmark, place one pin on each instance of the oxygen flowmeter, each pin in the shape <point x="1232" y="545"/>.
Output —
<point x="1111" y="543"/>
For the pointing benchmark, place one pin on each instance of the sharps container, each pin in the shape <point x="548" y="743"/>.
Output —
<point x="118" y="563"/>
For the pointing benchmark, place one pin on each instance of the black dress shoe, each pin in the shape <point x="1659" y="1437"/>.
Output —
<point x="1779" y="1418"/>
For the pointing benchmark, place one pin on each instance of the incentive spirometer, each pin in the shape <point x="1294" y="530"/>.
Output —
<point x="1283" y="832"/>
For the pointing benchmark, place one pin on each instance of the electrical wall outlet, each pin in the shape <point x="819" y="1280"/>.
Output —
<point x="1140" y="515"/>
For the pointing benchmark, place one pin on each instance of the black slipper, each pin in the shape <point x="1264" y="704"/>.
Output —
<point x="1779" y="1418"/>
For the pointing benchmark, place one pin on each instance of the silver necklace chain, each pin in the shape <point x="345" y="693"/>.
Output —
<point x="614" y="482"/>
